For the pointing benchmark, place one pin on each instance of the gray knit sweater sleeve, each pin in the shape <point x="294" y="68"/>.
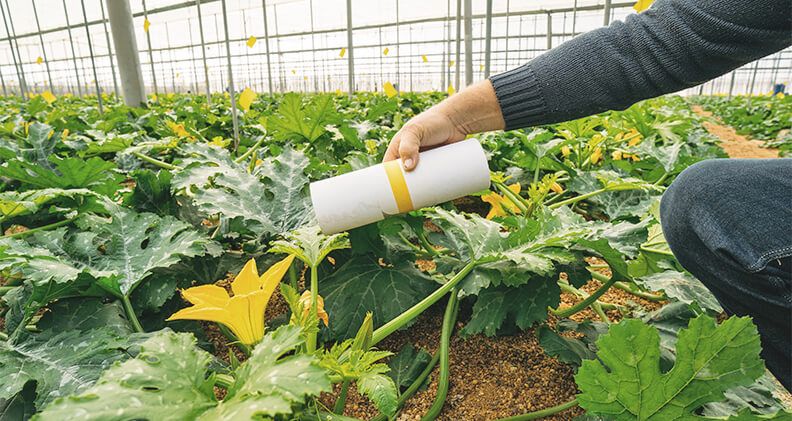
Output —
<point x="674" y="45"/>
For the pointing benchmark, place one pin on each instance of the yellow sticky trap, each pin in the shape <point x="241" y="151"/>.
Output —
<point x="48" y="96"/>
<point x="246" y="99"/>
<point x="39" y="60"/>
<point x="338" y="92"/>
<point x="294" y="72"/>
<point x="481" y="67"/>
<point x="385" y="51"/>
<point x="146" y="25"/>
<point x="450" y="90"/>
<point x="251" y="41"/>
<point x="305" y="77"/>
<point x="178" y="75"/>
<point x="398" y="185"/>
<point x="425" y="60"/>
<point x="342" y="53"/>
<point x="642" y="5"/>
<point x="451" y="63"/>
<point x="390" y="90"/>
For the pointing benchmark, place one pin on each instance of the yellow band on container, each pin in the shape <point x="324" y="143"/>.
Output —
<point x="398" y="186"/>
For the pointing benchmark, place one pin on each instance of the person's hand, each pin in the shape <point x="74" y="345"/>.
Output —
<point x="430" y="128"/>
<point x="473" y="110"/>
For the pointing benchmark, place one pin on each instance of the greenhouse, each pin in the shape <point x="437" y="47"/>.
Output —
<point x="395" y="210"/>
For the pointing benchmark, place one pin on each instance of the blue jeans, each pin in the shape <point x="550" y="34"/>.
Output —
<point x="729" y="223"/>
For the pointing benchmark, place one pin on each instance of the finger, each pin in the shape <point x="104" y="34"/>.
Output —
<point x="409" y="145"/>
<point x="393" y="149"/>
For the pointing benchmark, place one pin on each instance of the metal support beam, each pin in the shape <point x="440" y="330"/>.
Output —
<point x="549" y="30"/>
<point x="93" y="60"/>
<point x="25" y="87"/>
<point x="468" y="42"/>
<point x="267" y="45"/>
<point x="13" y="53"/>
<point x="43" y="49"/>
<point x="488" y="40"/>
<point x="350" y="49"/>
<point x="731" y="83"/>
<point x="126" y="49"/>
<point x="109" y="48"/>
<point x="151" y="54"/>
<point x="203" y="52"/>
<point x="607" y="13"/>
<point x="508" y="18"/>
<point x="458" y="44"/>
<point x="74" y="54"/>
<point x="231" y="93"/>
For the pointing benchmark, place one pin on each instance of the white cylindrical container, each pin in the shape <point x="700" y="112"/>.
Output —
<point x="361" y="197"/>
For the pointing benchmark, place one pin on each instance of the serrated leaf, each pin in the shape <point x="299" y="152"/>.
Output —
<point x="119" y="251"/>
<point x="682" y="287"/>
<point x="67" y="173"/>
<point x="626" y="382"/>
<point x="407" y="365"/>
<point x="14" y="203"/>
<point x="521" y="306"/>
<point x="19" y="407"/>
<point x="152" y="193"/>
<point x="61" y="363"/>
<point x="361" y="285"/>
<point x="571" y="350"/>
<point x="84" y="314"/>
<point x="308" y="122"/>
<point x="309" y="244"/>
<point x="381" y="390"/>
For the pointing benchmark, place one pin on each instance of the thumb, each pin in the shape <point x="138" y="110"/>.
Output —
<point x="408" y="149"/>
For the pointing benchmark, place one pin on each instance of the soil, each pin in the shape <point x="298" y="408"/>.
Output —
<point x="735" y="145"/>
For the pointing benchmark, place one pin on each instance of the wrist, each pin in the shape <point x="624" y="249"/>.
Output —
<point x="474" y="109"/>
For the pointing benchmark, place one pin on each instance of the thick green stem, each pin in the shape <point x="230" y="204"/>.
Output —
<point x="413" y="312"/>
<point x="41" y="228"/>
<point x="576" y="199"/>
<point x="518" y="201"/>
<point x="252" y="149"/>
<point x="595" y="306"/>
<point x="425" y="243"/>
<point x="661" y="179"/>
<point x="544" y="412"/>
<point x="340" y="402"/>
<point x="586" y="301"/>
<point x="224" y="380"/>
<point x="3" y="336"/>
<point x="638" y="293"/>
<point x="536" y="172"/>
<point x="449" y="320"/>
<point x="311" y="342"/>
<point x="413" y="387"/>
<point x="155" y="161"/>
<point x="130" y="313"/>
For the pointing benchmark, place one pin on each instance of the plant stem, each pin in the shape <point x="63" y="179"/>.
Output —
<point x="3" y="336"/>
<point x="661" y="179"/>
<point x="543" y="413"/>
<point x="536" y="171"/>
<point x="155" y="161"/>
<point x="413" y="312"/>
<point x="586" y="301"/>
<point x="251" y="150"/>
<point x="224" y="380"/>
<point x="638" y="293"/>
<point x="518" y="201"/>
<point x="596" y="306"/>
<point x="293" y="276"/>
<point x="449" y="320"/>
<point x="41" y="228"/>
<point x="130" y="313"/>
<point x="340" y="402"/>
<point x="425" y="243"/>
<point x="4" y="290"/>
<point x="311" y="342"/>
<point x="576" y="199"/>
<point x="413" y="387"/>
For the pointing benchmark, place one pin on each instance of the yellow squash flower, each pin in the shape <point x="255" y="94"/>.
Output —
<point x="242" y="313"/>
<point x="596" y="155"/>
<point x="565" y="151"/>
<point x="305" y="303"/>
<point x="556" y="188"/>
<point x="500" y="203"/>
<point x="177" y="129"/>
<point x="616" y="155"/>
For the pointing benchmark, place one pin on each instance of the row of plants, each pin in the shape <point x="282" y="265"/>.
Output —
<point x="122" y="229"/>
<point x="767" y="118"/>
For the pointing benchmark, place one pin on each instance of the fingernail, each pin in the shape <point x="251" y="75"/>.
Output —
<point x="408" y="163"/>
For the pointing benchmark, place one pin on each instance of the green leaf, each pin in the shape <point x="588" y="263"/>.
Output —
<point x="119" y="251"/>
<point x="154" y="385"/>
<point x="285" y="180"/>
<point x="361" y="285"/>
<point x="60" y="363"/>
<point x="84" y="314"/>
<point x="309" y="244"/>
<point x="14" y="203"/>
<point x="521" y="306"/>
<point x="19" y="407"/>
<point x="407" y="365"/>
<point x="68" y="173"/>
<point x="294" y="120"/>
<point x="571" y="349"/>
<point x="682" y="287"/>
<point x="470" y="236"/>
<point x="381" y="390"/>
<point x="626" y="382"/>
<point x="152" y="193"/>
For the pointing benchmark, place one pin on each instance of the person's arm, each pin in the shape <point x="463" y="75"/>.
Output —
<point x="674" y="45"/>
